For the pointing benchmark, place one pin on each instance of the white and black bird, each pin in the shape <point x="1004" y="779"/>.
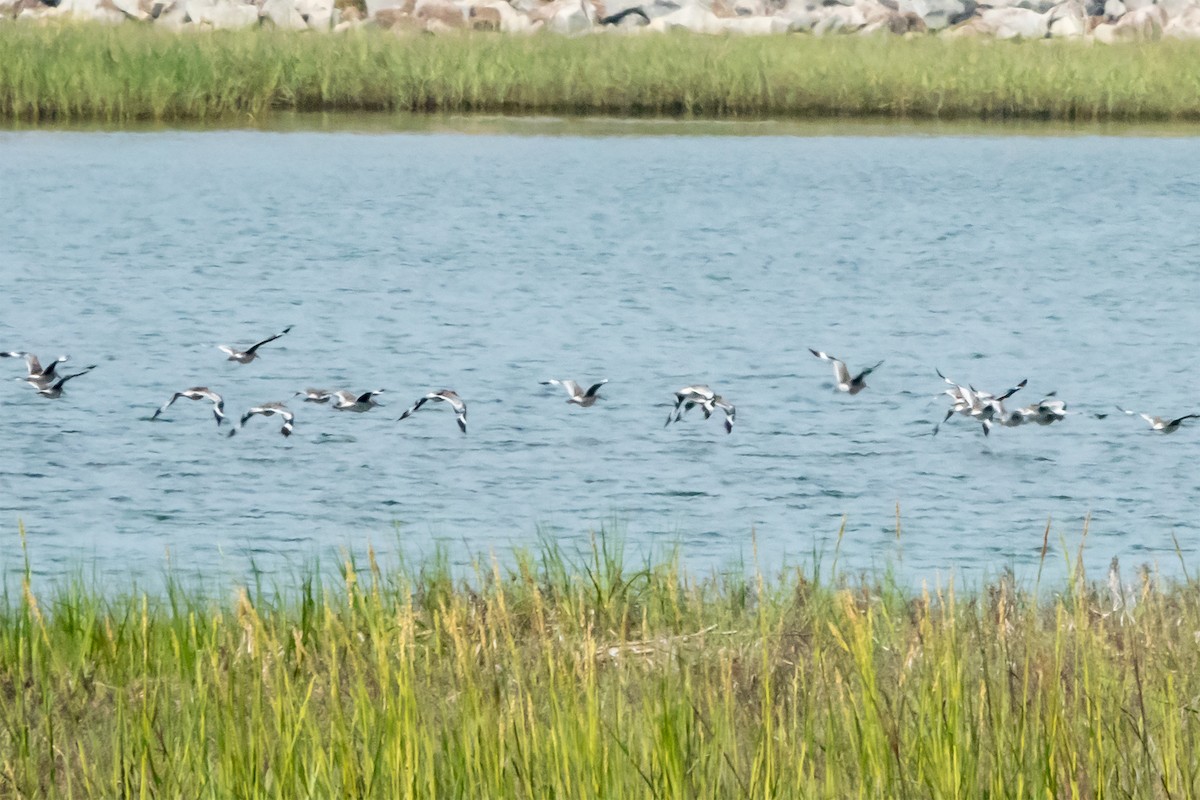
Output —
<point x="701" y="395"/>
<point x="1158" y="423"/>
<point x="197" y="393"/>
<point x="315" y="395"/>
<point x="55" y="390"/>
<point x="982" y="406"/>
<point x="269" y="410"/>
<point x="841" y="374"/>
<point x="251" y="352"/>
<point x="576" y="394"/>
<point x="688" y="398"/>
<point x="444" y="396"/>
<point x="36" y="376"/>
<point x="348" y="401"/>
<point x="1047" y="411"/>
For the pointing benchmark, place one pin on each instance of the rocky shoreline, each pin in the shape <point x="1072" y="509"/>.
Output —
<point x="1104" y="21"/>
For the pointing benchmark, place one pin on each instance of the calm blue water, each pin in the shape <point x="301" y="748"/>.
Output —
<point x="487" y="262"/>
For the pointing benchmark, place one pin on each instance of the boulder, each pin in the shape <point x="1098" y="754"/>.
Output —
<point x="755" y="26"/>
<point x="800" y="21"/>
<point x="1068" y="20"/>
<point x="506" y="18"/>
<point x="483" y="18"/>
<point x="281" y="14"/>
<point x="1185" y="25"/>
<point x="1176" y="8"/>
<point x="894" y="22"/>
<point x="689" y="18"/>
<point x="566" y="16"/>
<point x="938" y="14"/>
<point x="436" y="15"/>
<point x="1014" y="23"/>
<point x="169" y="15"/>
<point x="221" y="14"/>
<point x="133" y="9"/>
<point x="840" y="19"/>
<point x="319" y="15"/>
<point x="376" y="6"/>
<point x="1114" y="10"/>
<point x="1142" y="24"/>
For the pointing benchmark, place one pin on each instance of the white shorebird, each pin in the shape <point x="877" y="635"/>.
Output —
<point x="688" y="398"/>
<point x="197" y="393"/>
<point x="251" y="352"/>
<point x="1158" y="423"/>
<point x="38" y="377"/>
<point x="841" y="373"/>
<point x="269" y="410"/>
<point x="982" y="406"/>
<point x="700" y="395"/>
<point x="445" y="396"/>
<point x="575" y="392"/>
<point x="315" y="395"/>
<point x="348" y="401"/>
<point x="1047" y="411"/>
<point x="55" y="390"/>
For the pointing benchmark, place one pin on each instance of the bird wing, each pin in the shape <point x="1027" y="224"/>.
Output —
<point x="167" y="404"/>
<point x="591" y="392"/>
<point x="257" y="345"/>
<point x="415" y="406"/>
<point x="1013" y="390"/>
<point x="867" y="372"/>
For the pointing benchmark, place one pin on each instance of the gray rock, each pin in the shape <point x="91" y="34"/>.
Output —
<point x="282" y="14"/>
<point x="221" y="14"/>
<point x="938" y="14"/>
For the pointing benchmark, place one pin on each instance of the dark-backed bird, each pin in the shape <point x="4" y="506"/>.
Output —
<point x="251" y="352"/>
<point x="841" y="373"/>
<point x="197" y="393"/>
<point x="348" y="401"/>
<point x="315" y="395"/>
<point x="444" y="396"/>
<point x="576" y="394"/>
<point x="1158" y="423"/>
<point x="55" y="390"/>
<point x="37" y="377"/>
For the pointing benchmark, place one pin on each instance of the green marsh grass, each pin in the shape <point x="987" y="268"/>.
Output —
<point x="589" y="677"/>
<point x="130" y="72"/>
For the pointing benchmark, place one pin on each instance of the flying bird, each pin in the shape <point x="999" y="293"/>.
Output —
<point x="841" y="373"/>
<point x="444" y="396"/>
<point x="1158" y="423"/>
<point x="700" y="395"/>
<point x="576" y="394"/>
<point x="197" y="393"/>
<point x="269" y="410"/>
<point x="55" y="390"/>
<point x="38" y="377"/>
<point x="983" y="406"/>
<point x="251" y="352"/>
<point x="315" y="395"/>
<point x="348" y="401"/>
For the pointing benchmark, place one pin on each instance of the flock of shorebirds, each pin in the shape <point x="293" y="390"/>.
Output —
<point x="983" y="407"/>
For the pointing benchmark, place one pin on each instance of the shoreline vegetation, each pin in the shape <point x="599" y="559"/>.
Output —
<point x="85" y="72"/>
<point x="564" y="676"/>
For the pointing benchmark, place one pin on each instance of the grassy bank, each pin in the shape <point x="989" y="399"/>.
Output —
<point x="588" y="678"/>
<point x="135" y="73"/>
